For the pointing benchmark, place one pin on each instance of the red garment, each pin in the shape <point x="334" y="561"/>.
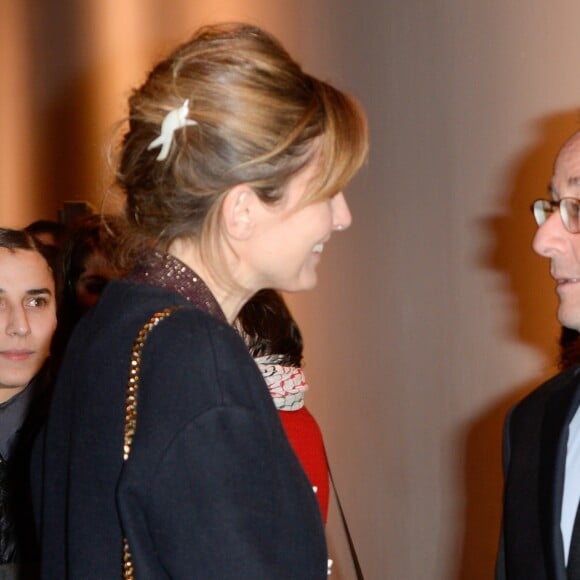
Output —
<point x="306" y="440"/>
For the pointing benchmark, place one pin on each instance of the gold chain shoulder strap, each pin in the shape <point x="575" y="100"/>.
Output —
<point x="131" y="401"/>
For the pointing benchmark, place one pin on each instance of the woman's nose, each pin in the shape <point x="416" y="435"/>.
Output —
<point x="341" y="216"/>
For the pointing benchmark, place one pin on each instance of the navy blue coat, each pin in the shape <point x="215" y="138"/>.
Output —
<point x="212" y="489"/>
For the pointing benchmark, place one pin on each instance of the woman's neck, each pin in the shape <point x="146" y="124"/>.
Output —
<point x="230" y="298"/>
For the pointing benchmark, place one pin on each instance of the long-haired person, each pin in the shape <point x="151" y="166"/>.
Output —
<point x="86" y="264"/>
<point x="275" y="341"/>
<point x="27" y="324"/>
<point x="164" y="455"/>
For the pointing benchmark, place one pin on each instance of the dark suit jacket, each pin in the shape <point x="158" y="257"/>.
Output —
<point x="19" y="551"/>
<point x="212" y="489"/>
<point x="536" y="434"/>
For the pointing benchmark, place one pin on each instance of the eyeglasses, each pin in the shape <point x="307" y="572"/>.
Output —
<point x="569" y="212"/>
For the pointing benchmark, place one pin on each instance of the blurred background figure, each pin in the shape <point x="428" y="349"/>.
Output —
<point x="48" y="232"/>
<point x="275" y="342"/>
<point x="87" y="265"/>
<point x="27" y="323"/>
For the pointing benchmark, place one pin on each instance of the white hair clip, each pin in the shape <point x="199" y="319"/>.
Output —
<point x="175" y="119"/>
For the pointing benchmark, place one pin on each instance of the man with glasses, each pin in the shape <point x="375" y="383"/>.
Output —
<point x="540" y="535"/>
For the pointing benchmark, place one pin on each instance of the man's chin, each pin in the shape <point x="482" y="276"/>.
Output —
<point x="568" y="318"/>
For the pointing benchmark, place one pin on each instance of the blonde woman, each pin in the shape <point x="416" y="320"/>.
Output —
<point x="233" y="168"/>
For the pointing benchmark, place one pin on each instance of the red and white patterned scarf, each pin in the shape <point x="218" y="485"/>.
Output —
<point x="287" y="384"/>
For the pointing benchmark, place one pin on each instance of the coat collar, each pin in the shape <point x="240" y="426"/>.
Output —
<point x="166" y="271"/>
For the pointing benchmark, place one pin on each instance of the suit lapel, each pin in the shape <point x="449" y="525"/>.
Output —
<point x="560" y="410"/>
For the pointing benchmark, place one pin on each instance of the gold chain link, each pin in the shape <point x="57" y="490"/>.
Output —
<point x="131" y="410"/>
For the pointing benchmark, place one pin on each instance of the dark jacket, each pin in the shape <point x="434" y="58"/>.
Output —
<point x="212" y="489"/>
<point x="536" y="435"/>
<point x="19" y="550"/>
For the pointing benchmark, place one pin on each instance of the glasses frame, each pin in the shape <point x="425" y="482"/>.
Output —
<point x="562" y="206"/>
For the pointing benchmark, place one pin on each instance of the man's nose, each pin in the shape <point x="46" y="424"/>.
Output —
<point x="17" y="323"/>
<point x="550" y="238"/>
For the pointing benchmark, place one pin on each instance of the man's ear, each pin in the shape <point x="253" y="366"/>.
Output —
<point x="239" y="211"/>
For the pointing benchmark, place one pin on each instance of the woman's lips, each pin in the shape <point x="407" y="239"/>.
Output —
<point x="16" y="355"/>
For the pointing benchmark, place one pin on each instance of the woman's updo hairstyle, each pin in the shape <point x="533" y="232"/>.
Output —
<point x="257" y="116"/>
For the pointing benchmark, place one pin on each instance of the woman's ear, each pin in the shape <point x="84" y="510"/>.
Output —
<point x="239" y="211"/>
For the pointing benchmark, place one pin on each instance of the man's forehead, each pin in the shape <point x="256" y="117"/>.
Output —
<point x="573" y="143"/>
<point x="566" y="178"/>
<point x="572" y="181"/>
<point x="568" y="187"/>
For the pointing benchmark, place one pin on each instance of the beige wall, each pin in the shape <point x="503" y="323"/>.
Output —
<point x="432" y="315"/>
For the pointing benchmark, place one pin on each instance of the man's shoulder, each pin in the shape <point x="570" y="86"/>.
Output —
<point x="566" y="380"/>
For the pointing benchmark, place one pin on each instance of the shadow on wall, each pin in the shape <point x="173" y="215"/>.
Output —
<point x="483" y="481"/>
<point x="510" y="254"/>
